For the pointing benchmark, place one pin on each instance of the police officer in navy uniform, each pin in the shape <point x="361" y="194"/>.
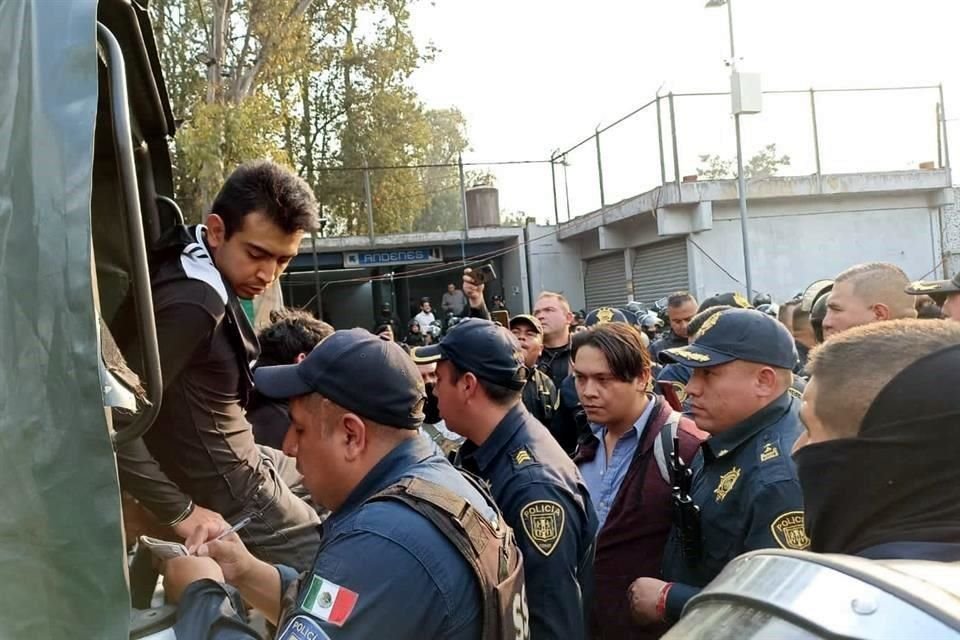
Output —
<point x="480" y="374"/>
<point x="744" y="482"/>
<point x="412" y="550"/>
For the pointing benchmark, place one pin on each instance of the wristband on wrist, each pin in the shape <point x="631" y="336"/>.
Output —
<point x="662" y="601"/>
<point x="183" y="515"/>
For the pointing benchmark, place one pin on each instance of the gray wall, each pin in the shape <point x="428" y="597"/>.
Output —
<point x="792" y="244"/>
<point x="555" y="266"/>
<point x="514" y="279"/>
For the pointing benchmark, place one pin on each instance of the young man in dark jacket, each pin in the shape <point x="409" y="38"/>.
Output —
<point x="199" y="464"/>
<point x="626" y="475"/>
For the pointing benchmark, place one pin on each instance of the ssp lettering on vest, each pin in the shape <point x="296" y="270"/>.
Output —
<point x="491" y="551"/>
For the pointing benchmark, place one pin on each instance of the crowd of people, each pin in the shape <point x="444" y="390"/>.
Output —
<point x="556" y="477"/>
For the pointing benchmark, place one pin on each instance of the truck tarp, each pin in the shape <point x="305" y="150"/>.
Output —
<point x="61" y="548"/>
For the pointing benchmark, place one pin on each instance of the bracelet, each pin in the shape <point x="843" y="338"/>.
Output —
<point x="662" y="602"/>
<point x="183" y="515"/>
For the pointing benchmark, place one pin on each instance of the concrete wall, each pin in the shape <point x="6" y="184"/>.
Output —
<point x="950" y="223"/>
<point x="554" y="266"/>
<point x="794" y="242"/>
<point x="514" y="279"/>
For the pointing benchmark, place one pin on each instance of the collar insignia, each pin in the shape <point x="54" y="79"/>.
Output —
<point x="769" y="452"/>
<point x="726" y="483"/>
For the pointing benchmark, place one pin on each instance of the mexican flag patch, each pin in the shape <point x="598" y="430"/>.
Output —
<point x="328" y="601"/>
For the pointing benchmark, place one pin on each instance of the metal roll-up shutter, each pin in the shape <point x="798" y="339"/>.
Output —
<point x="604" y="282"/>
<point x="659" y="270"/>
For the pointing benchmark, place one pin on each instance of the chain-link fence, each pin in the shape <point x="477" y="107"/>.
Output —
<point x="680" y="136"/>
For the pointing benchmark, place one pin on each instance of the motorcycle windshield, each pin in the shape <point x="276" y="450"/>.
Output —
<point x="62" y="571"/>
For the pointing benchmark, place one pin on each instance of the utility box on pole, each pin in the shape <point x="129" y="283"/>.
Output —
<point x="745" y="93"/>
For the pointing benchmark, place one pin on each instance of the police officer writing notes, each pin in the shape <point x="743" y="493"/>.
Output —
<point x="480" y="374"/>
<point x="744" y="483"/>
<point x="412" y="549"/>
<point x="881" y="413"/>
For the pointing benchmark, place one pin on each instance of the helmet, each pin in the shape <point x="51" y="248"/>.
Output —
<point x="435" y="330"/>
<point x="771" y="309"/>
<point x="650" y="320"/>
<point x="761" y="299"/>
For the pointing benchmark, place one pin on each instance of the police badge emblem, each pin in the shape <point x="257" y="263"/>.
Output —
<point x="789" y="531"/>
<point x="604" y="315"/>
<point x="543" y="523"/>
<point x="726" y="483"/>
<point x="707" y="325"/>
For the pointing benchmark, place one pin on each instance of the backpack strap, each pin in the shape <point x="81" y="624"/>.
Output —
<point x="663" y="447"/>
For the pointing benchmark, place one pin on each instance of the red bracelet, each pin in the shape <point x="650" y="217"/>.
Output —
<point x="662" y="601"/>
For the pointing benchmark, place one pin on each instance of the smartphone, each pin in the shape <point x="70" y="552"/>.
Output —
<point x="484" y="274"/>
<point x="501" y="317"/>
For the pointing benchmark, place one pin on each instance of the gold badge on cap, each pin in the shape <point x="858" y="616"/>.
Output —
<point x="790" y="532"/>
<point x="726" y="483"/>
<point x="708" y="324"/>
<point x="543" y="524"/>
<point x="604" y="315"/>
<point x="741" y="302"/>
<point x="689" y="355"/>
<point x="920" y="285"/>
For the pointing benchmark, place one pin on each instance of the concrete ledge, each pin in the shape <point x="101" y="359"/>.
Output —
<point x="692" y="193"/>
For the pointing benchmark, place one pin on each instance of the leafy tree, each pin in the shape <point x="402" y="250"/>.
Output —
<point x="765" y="164"/>
<point x="319" y="85"/>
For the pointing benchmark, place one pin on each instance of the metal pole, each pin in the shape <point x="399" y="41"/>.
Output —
<point x="596" y="137"/>
<point x="742" y="192"/>
<point x="553" y="181"/>
<point x="566" y="186"/>
<point x="463" y="205"/>
<point x="733" y="55"/>
<point x="816" y="133"/>
<point x="939" y="139"/>
<point x="673" y="134"/>
<point x="369" y="196"/>
<point x="943" y="123"/>
<point x="663" y="164"/>
<point x="316" y="274"/>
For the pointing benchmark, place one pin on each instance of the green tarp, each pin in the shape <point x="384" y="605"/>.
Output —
<point x="61" y="548"/>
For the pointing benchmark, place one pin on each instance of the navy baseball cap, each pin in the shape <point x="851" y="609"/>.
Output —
<point x="482" y="348"/>
<point x="357" y="370"/>
<point x="729" y="299"/>
<point x="737" y="334"/>
<point x="604" y="315"/>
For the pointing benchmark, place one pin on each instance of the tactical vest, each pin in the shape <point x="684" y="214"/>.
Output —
<point x="491" y="552"/>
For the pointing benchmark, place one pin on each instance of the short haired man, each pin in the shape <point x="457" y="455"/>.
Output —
<point x="539" y="393"/>
<point x="865" y="293"/>
<point x="480" y="375"/>
<point x="199" y="463"/>
<point x="881" y="415"/>
<point x="946" y="293"/>
<point x="453" y="301"/>
<point x="628" y="482"/>
<point x="553" y="312"/>
<point x="681" y="307"/>
<point x="292" y="334"/>
<point x="744" y="482"/>
<point x="399" y="521"/>
<point x="425" y="318"/>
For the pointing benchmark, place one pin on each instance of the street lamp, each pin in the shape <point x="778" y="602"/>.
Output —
<point x="738" y="109"/>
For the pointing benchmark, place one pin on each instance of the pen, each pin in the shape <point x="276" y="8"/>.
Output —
<point x="233" y="528"/>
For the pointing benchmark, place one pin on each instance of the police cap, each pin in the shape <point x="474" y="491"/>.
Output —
<point x="482" y="348"/>
<point x="603" y="315"/>
<point x="737" y="334"/>
<point x="934" y="287"/>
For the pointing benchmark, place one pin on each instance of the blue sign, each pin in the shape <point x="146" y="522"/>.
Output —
<point x="375" y="258"/>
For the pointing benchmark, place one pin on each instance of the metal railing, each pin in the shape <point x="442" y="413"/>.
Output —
<point x="822" y="131"/>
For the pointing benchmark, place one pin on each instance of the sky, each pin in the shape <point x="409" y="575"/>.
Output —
<point x="533" y="76"/>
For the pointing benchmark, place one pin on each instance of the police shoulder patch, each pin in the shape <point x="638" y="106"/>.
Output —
<point x="789" y="531"/>
<point x="521" y="457"/>
<point x="543" y="523"/>
<point x="796" y="393"/>
<point x="302" y="628"/>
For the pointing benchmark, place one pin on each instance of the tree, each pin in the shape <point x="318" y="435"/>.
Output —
<point x="319" y="85"/>
<point x="763" y="165"/>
